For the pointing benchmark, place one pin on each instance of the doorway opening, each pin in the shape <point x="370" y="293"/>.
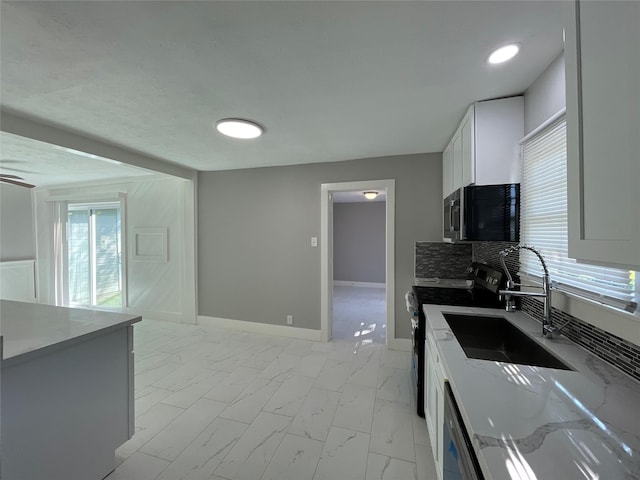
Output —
<point x="329" y="290"/>
<point x="94" y="255"/>
<point x="359" y="280"/>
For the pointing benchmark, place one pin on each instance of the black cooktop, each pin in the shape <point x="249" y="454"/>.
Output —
<point x="484" y="293"/>
<point x="472" y="297"/>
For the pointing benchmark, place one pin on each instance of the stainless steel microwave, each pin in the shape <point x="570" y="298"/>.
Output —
<point x="483" y="213"/>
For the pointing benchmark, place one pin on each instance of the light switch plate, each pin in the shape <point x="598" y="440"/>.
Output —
<point x="314" y="241"/>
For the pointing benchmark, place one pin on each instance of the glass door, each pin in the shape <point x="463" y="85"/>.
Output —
<point x="94" y="255"/>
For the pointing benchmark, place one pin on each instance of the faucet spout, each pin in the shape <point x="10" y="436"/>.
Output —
<point x="547" y="322"/>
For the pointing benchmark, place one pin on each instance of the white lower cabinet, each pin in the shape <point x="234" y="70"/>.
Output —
<point x="434" y="400"/>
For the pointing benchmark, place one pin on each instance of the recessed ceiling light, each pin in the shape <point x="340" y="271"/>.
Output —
<point x="503" y="54"/>
<point x="370" y="195"/>
<point x="239" y="128"/>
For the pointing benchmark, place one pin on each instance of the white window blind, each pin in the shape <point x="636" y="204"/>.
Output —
<point x="544" y="225"/>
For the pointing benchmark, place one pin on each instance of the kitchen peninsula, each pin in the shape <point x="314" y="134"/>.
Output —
<point x="66" y="390"/>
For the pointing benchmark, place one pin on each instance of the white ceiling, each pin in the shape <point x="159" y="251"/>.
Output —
<point x="329" y="80"/>
<point x="42" y="164"/>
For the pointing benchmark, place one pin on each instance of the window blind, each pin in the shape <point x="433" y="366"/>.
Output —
<point x="544" y="225"/>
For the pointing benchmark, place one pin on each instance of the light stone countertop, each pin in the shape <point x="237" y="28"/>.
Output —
<point x="31" y="329"/>
<point x="540" y="423"/>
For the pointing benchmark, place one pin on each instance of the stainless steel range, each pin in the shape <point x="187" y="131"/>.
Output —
<point x="480" y="289"/>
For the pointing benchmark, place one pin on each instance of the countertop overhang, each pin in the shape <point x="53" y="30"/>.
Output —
<point x="31" y="329"/>
<point x="540" y="423"/>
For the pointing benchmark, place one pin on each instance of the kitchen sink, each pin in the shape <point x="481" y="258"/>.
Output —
<point x="495" y="338"/>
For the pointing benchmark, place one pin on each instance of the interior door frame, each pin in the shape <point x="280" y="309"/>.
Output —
<point x="326" y="251"/>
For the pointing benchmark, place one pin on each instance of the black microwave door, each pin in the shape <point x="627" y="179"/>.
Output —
<point x="492" y="213"/>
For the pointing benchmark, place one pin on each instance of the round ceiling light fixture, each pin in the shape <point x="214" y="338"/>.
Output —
<point x="239" y="128"/>
<point x="503" y="54"/>
<point x="370" y="195"/>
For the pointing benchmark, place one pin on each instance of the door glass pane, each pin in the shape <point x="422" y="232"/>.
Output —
<point x="78" y="258"/>
<point x="107" y="257"/>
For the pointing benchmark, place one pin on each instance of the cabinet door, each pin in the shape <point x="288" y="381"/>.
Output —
<point x="603" y="131"/>
<point x="457" y="160"/>
<point x="468" y="160"/>
<point x="447" y="171"/>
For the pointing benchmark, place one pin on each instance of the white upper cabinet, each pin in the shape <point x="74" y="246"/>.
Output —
<point x="447" y="171"/>
<point x="602" y="54"/>
<point x="485" y="150"/>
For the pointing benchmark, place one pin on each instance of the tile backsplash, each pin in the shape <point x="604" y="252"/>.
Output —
<point x="611" y="348"/>
<point x="442" y="260"/>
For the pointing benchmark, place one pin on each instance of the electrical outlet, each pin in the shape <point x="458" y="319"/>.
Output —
<point x="314" y="241"/>
<point x="289" y="319"/>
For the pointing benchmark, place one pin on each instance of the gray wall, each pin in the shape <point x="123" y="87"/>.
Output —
<point x="16" y="223"/>
<point x="545" y="96"/>
<point x="255" y="226"/>
<point x="359" y="242"/>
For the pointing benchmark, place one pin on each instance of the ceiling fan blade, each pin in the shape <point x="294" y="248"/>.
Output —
<point x="15" y="182"/>
<point x="14" y="177"/>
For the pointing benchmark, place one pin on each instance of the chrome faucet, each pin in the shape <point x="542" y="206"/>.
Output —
<point x="547" y="323"/>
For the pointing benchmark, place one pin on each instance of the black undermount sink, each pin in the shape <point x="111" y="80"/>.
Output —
<point x="497" y="339"/>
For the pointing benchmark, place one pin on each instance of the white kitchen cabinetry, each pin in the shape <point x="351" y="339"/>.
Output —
<point x="603" y="131"/>
<point x="434" y="400"/>
<point x="485" y="147"/>
<point x="447" y="171"/>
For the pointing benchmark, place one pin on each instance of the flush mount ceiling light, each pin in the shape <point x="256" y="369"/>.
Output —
<point x="503" y="54"/>
<point x="239" y="128"/>
<point x="370" y="195"/>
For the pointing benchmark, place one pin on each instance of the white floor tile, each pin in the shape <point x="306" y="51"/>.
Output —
<point x="250" y="456"/>
<point x="395" y="359"/>
<point x="343" y="410"/>
<point x="392" y="432"/>
<point x="189" y="394"/>
<point x="380" y="467"/>
<point x="295" y="459"/>
<point x="175" y="437"/>
<point x="393" y="385"/>
<point x="147" y="426"/>
<point x="316" y="414"/>
<point x="138" y="467"/>
<point x="259" y="360"/>
<point x="355" y="409"/>
<point x="311" y="364"/>
<point x="199" y="460"/>
<point x="289" y="397"/>
<point x="365" y="374"/>
<point x="281" y="368"/>
<point x="344" y="456"/>
<point x="425" y="463"/>
<point x="333" y="375"/>
<point x="420" y="433"/>
<point x="229" y="385"/>
<point x="249" y="403"/>
<point x="147" y="397"/>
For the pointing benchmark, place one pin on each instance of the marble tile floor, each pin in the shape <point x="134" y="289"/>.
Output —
<point x="217" y="404"/>
<point x="359" y="313"/>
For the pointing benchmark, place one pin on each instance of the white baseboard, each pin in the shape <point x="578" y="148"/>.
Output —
<point x="402" y="344"/>
<point x="346" y="283"/>
<point x="263" y="328"/>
